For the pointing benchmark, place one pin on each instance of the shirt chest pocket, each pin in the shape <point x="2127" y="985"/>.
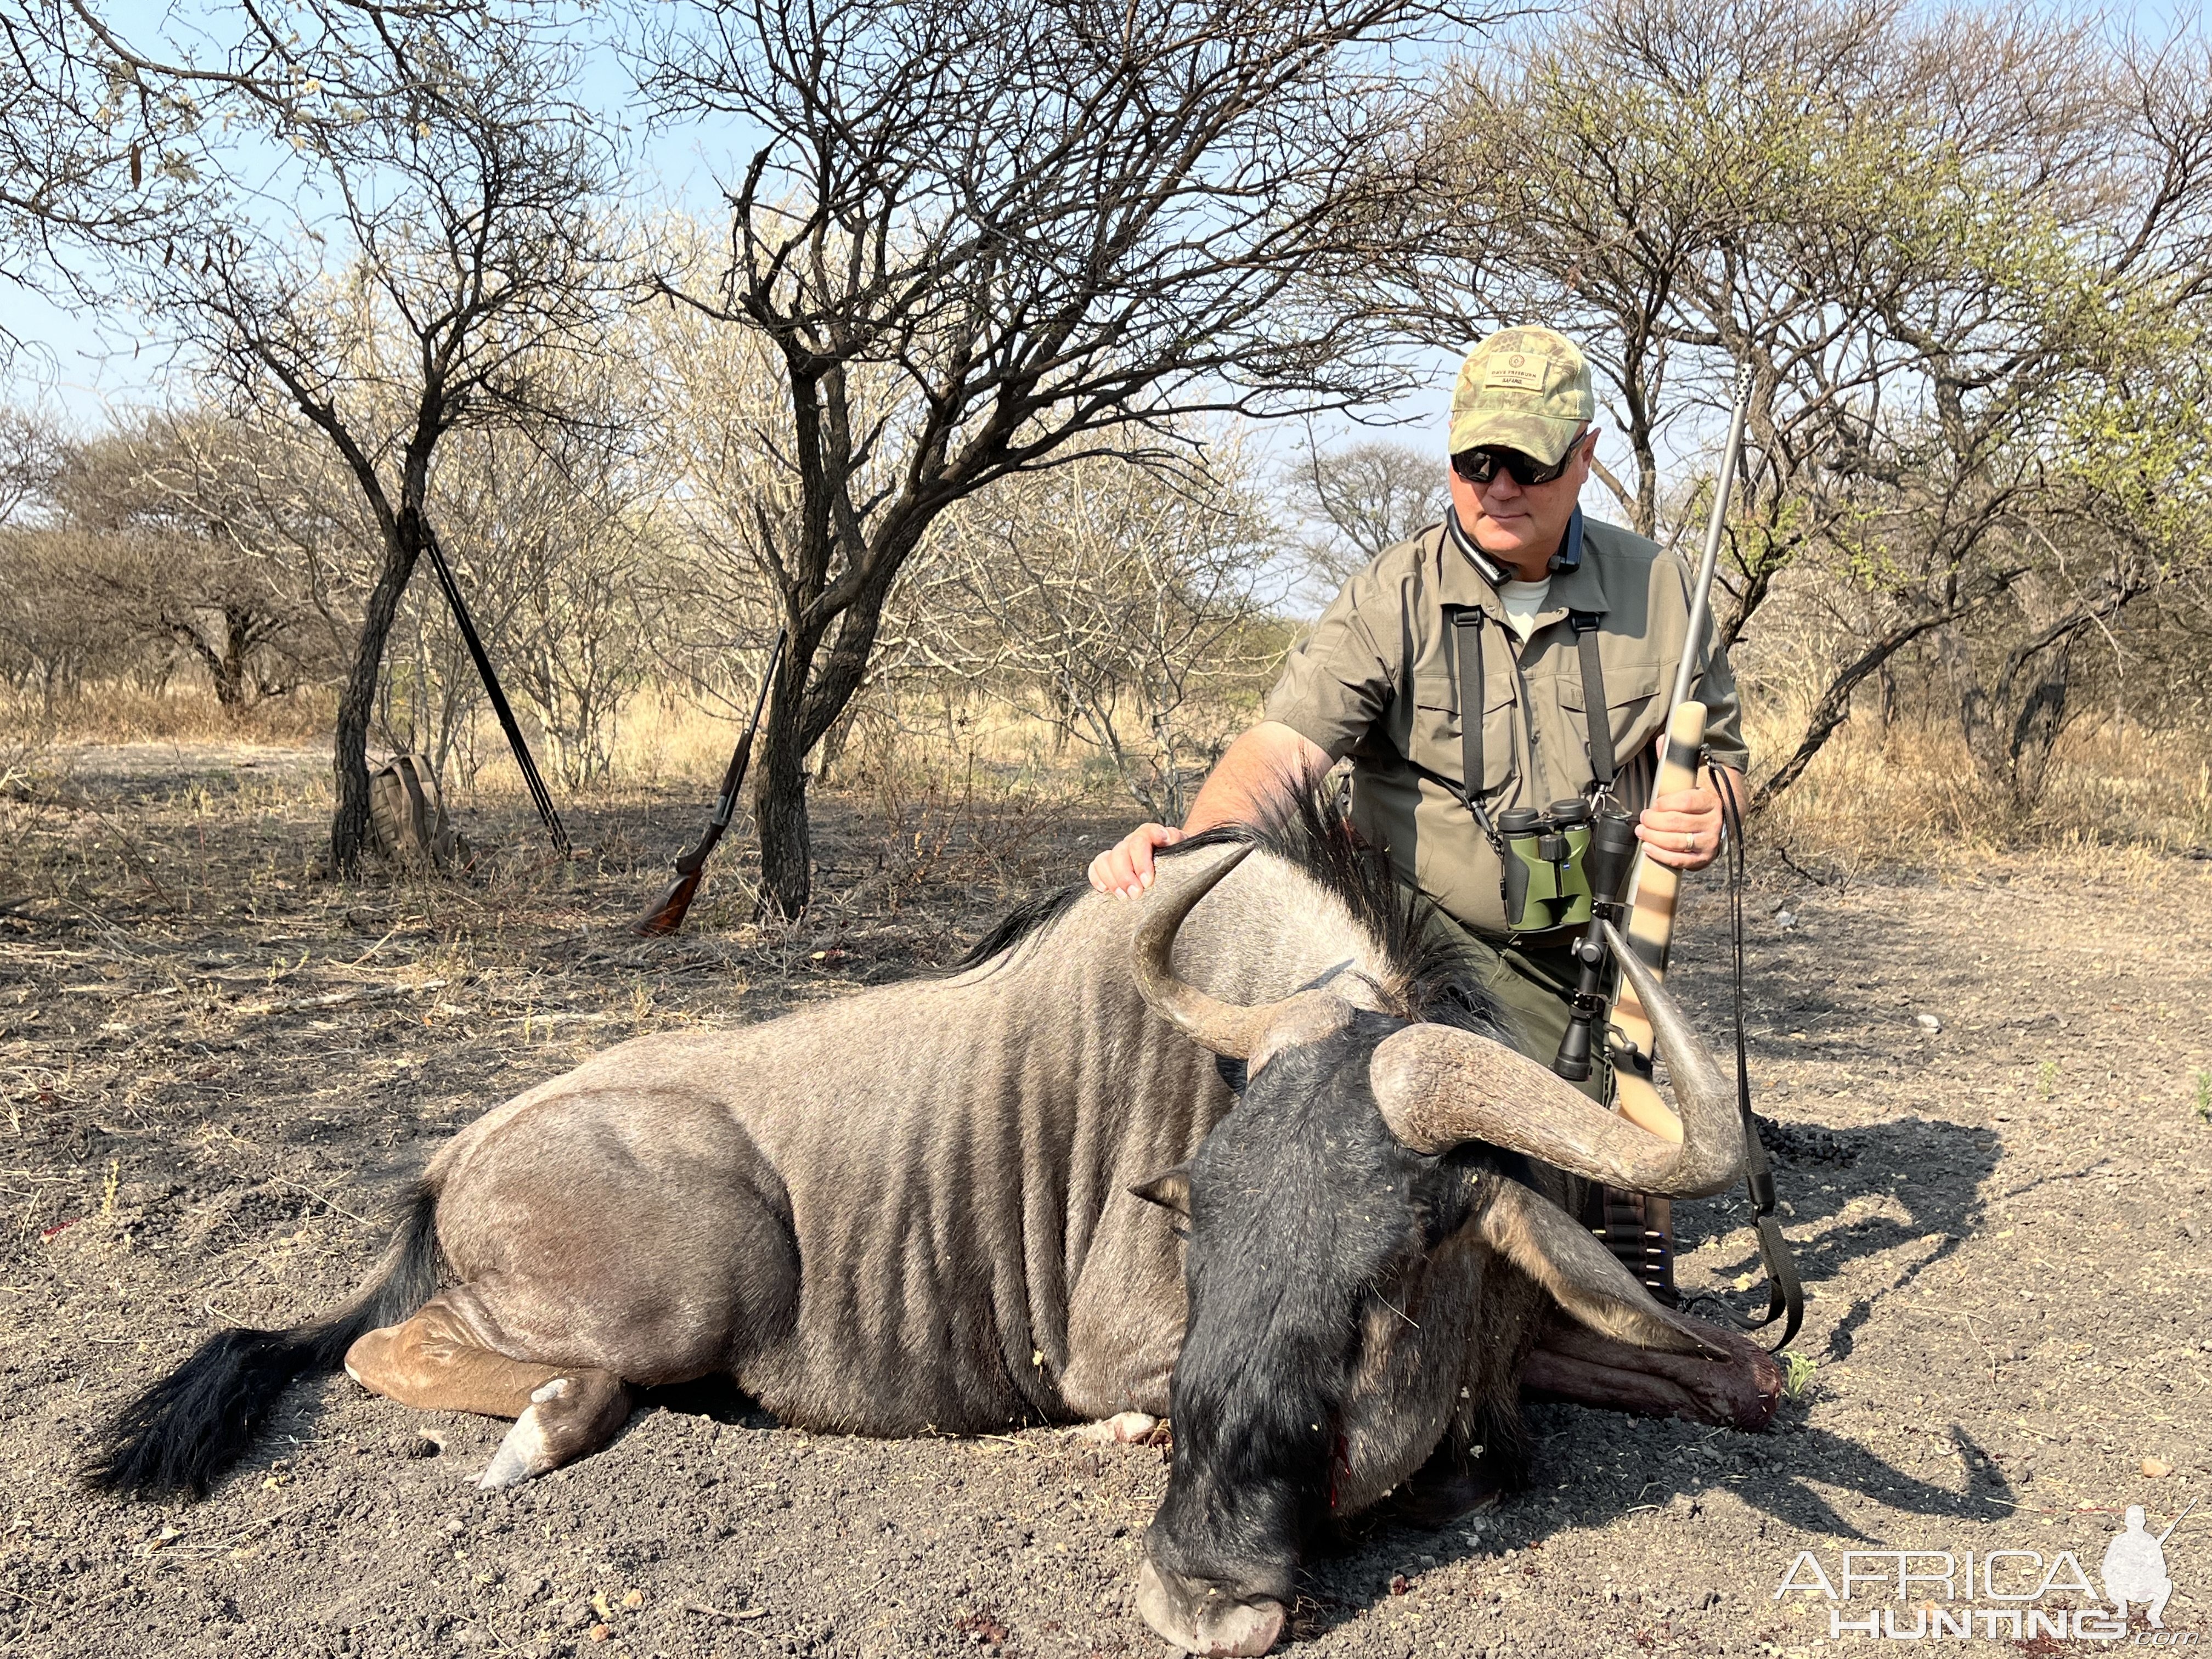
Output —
<point x="1434" y="741"/>
<point x="1632" y="705"/>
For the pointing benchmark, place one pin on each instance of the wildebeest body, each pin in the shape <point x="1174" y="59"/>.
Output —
<point x="956" y="1204"/>
<point x="905" y="1209"/>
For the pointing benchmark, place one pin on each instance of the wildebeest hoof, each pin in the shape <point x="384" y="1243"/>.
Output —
<point x="524" y="1454"/>
<point x="568" y="1418"/>
<point x="1122" y="1428"/>
<point x="1203" y="1621"/>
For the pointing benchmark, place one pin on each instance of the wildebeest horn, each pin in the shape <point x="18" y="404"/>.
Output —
<point x="1241" y="1031"/>
<point x="1438" y="1087"/>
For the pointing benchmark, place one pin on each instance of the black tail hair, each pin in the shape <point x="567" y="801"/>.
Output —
<point x="184" y="1433"/>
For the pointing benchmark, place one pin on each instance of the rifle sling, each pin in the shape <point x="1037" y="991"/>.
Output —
<point x="1785" y="1295"/>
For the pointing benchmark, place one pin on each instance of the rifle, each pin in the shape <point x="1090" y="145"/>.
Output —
<point x="667" y="915"/>
<point x="1638" y="1227"/>
<point x="1654" y="887"/>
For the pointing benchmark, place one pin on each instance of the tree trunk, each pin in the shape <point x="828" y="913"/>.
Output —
<point x="1975" y="722"/>
<point x="351" y="834"/>
<point x="809" y="699"/>
<point x="1834" y="707"/>
<point x="236" y="694"/>
<point x="225" y="668"/>
<point x="786" y="843"/>
<point x="2042" y="717"/>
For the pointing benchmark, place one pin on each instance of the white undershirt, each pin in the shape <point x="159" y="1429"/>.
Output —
<point x="1522" y="600"/>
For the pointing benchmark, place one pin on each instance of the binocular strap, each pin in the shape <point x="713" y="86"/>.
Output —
<point x="1466" y="653"/>
<point x="1593" y="704"/>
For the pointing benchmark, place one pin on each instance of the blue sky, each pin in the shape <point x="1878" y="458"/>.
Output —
<point x="87" y="364"/>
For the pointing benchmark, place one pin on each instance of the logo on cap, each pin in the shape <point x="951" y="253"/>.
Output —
<point x="1515" y="371"/>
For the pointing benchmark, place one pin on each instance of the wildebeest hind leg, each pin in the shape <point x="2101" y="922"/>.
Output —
<point x="433" y="1362"/>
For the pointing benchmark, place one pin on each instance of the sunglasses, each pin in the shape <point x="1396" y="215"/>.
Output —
<point x="1479" y="466"/>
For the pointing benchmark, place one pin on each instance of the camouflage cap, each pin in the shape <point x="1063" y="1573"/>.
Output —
<point x="1522" y="388"/>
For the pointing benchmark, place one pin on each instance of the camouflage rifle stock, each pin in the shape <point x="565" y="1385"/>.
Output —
<point x="1654" y="886"/>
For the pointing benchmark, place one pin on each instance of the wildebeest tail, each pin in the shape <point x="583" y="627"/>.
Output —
<point x="183" y="1433"/>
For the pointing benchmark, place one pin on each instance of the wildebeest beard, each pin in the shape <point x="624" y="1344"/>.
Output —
<point x="1310" y="1225"/>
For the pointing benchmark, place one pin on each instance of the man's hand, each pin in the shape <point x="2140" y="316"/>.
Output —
<point x="1683" y="829"/>
<point x="1261" y="768"/>
<point x="1125" y="869"/>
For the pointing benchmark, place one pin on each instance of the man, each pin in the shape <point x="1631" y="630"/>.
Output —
<point x="1549" y="613"/>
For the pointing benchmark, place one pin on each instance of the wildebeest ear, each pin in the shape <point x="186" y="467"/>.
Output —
<point x="1559" y="1253"/>
<point x="1169" y="1189"/>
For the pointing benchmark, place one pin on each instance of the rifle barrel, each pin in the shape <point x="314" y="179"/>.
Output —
<point x="1701" y="597"/>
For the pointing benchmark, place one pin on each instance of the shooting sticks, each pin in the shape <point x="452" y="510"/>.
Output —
<point x="539" y="796"/>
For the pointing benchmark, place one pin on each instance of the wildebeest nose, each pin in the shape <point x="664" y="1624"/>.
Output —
<point x="1200" y="1620"/>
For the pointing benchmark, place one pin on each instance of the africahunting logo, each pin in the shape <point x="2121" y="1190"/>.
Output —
<point x="2016" y="1594"/>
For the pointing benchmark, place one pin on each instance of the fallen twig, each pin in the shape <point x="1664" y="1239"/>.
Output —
<point x="741" y="1614"/>
<point x="339" y="999"/>
<point x="1783" y="852"/>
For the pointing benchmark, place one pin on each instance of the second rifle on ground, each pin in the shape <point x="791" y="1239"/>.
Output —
<point x="666" y="915"/>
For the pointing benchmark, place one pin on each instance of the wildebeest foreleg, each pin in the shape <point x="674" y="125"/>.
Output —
<point x="1575" y="1363"/>
<point x="433" y="1362"/>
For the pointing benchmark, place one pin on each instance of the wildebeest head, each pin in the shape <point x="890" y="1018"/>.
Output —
<point x="1339" y="1224"/>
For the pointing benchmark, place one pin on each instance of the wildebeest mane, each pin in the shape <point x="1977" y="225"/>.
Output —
<point x="1431" y="977"/>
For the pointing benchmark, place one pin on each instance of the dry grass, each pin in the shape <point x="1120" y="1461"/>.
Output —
<point x="117" y="711"/>
<point x="1911" y="797"/>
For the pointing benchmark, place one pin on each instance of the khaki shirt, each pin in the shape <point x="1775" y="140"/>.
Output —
<point x="1376" y="680"/>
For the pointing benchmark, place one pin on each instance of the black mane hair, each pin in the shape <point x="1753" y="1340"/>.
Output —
<point x="1433" y="976"/>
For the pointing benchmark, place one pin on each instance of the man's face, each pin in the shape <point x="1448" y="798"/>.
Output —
<point x="1520" y="525"/>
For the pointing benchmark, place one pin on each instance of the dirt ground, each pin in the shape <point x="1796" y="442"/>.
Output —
<point x="1995" y="1100"/>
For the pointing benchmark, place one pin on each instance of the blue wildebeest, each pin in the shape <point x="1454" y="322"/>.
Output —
<point x="1025" y="1192"/>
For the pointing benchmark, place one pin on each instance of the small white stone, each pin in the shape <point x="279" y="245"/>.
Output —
<point x="1928" y="1022"/>
<point x="1785" y="919"/>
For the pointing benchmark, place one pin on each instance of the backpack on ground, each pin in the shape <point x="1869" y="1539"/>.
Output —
<point x="408" y="814"/>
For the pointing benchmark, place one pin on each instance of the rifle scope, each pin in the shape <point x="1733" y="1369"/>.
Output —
<point x="1611" y="855"/>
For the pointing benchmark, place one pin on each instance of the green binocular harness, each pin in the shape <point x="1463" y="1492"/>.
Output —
<point x="1541" y="852"/>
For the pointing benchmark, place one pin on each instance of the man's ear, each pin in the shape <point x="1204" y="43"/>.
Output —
<point x="1169" y="1189"/>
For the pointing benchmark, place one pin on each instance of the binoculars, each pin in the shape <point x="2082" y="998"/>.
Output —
<point x="1546" y="882"/>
